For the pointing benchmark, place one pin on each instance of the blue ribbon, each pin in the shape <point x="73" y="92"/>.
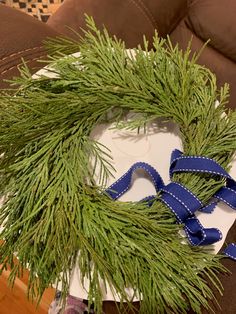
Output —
<point x="182" y="202"/>
<point x="230" y="251"/>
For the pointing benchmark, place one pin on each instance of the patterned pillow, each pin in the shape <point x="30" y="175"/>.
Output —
<point x="40" y="9"/>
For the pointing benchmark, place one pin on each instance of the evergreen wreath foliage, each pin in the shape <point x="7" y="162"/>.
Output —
<point x="55" y="210"/>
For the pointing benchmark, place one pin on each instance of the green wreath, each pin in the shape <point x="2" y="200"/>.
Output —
<point x="54" y="209"/>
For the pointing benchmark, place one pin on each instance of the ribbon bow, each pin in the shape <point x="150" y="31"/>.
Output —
<point x="182" y="202"/>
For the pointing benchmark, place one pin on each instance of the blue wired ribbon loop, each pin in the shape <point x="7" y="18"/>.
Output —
<point x="182" y="202"/>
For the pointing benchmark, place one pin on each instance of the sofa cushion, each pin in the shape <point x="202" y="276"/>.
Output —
<point x="127" y="19"/>
<point x="224" y="68"/>
<point x="215" y="20"/>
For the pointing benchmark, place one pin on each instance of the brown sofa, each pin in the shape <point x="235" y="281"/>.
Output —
<point x="21" y="37"/>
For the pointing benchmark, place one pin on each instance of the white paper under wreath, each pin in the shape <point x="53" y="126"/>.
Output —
<point x="57" y="216"/>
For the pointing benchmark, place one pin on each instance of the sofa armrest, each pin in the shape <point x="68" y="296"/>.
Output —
<point x="21" y="36"/>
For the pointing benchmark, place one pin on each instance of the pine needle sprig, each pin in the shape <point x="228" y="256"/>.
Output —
<point x="56" y="216"/>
